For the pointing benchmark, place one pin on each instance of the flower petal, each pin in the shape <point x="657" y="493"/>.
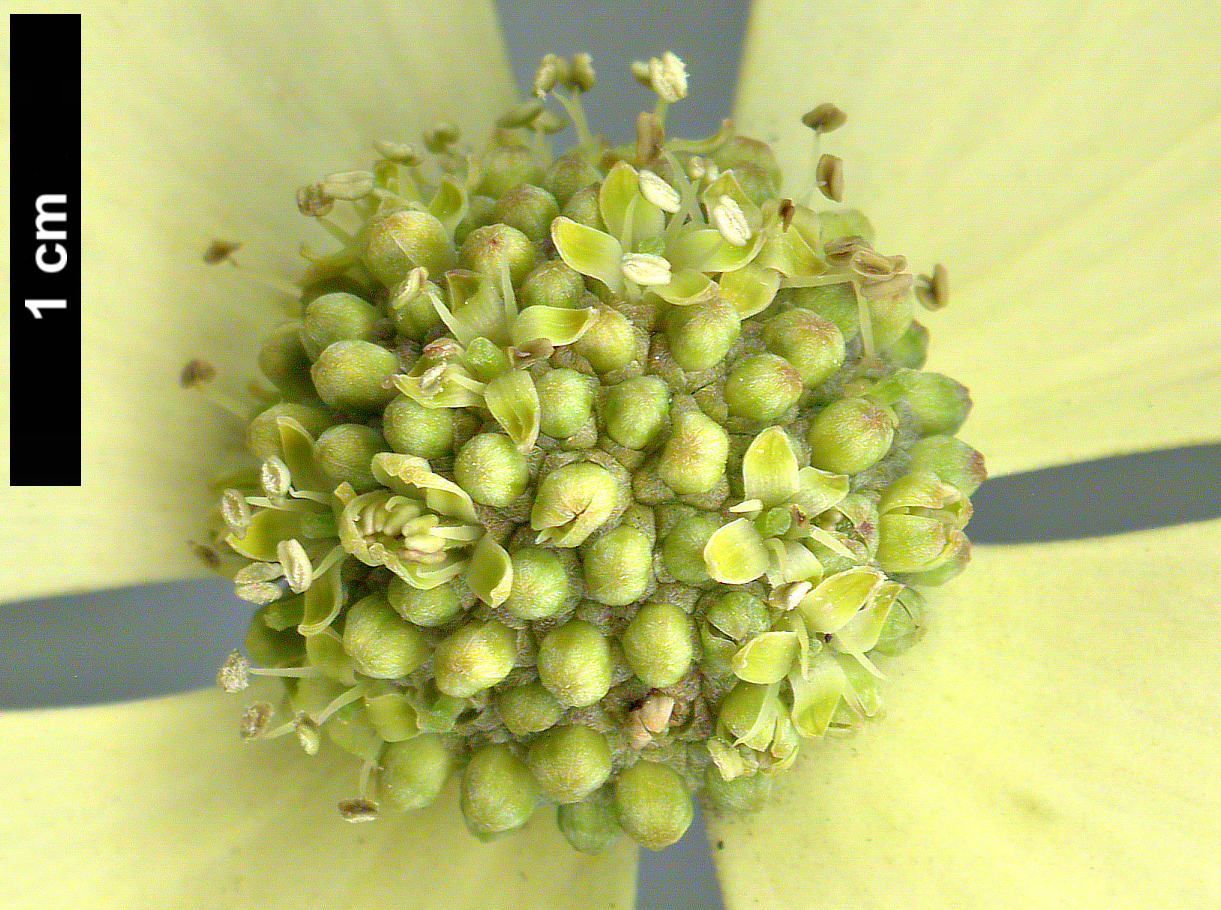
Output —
<point x="200" y="125"/>
<point x="1063" y="173"/>
<point x="161" y="805"/>
<point x="1055" y="733"/>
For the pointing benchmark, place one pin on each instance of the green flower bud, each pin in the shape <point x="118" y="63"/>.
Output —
<point x="528" y="709"/>
<point x="635" y="410"/>
<point x="263" y="434"/>
<point x="412" y="429"/>
<point x="938" y="404"/>
<point x="904" y="624"/>
<point x="496" y="246"/>
<point x="583" y="207"/>
<point x="474" y="657"/>
<point x="657" y="644"/>
<point x="700" y="336"/>
<point x="693" y="459"/>
<point x="381" y="643"/>
<point x="336" y="317"/>
<point x="392" y="714"/>
<point x="572" y="502"/>
<point x="270" y="647"/>
<point x="890" y="318"/>
<point x="845" y="223"/>
<point x="491" y="470"/>
<point x="952" y="460"/>
<point x="911" y="350"/>
<point x="589" y="825"/>
<point x="574" y="663"/>
<point x="755" y="182"/>
<point x="498" y="792"/>
<point x="486" y="359"/>
<point x="570" y="762"/>
<point x="414" y="772"/>
<point x="566" y="402"/>
<point x="401" y="240"/>
<point x="283" y="360"/>
<point x="326" y="653"/>
<point x="506" y="162"/>
<point x="836" y="303"/>
<point x="618" y="566"/>
<point x="553" y="283"/>
<point x="567" y="174"/>
<point x="345" y="452"/>
<point x="423" y="606"/>
<point x="351" y="730"/>
<point x="682" y="551"/>
<point x="944" y="573"/>
<point x="540" y="584"/>
<point x="744" y="150"/>
<point x="814" y="346"/>
<point x="609" y="343"/>
<point x="355" y="376"/>
<point x="914" y="543"/>
<point x="742" y="794"/>
<point x="850" y="435"/>
<point x="481" y="210"/>
<point x="653" y="804"/>
<point x="762" y="387"/>
<point x="529" y="209"/>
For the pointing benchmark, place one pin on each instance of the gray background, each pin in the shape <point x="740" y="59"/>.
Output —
<point x="167" y="638"/>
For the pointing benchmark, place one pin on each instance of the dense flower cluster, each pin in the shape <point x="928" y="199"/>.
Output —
<point x="602" y="479"/>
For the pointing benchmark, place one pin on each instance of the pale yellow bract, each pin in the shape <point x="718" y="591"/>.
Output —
<point x="1053" y="742"/>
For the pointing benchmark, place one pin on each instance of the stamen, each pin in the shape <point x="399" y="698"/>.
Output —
<point x="205" y="554"/>
<point x="261" y="593"/>
<point x="887" y="287"/>
<point x="340" y="701"/>
<point x="656" y="712"/>
<point x="825" y="118"/>
<point x="814" y="281"/>
<point x="337" y="553"/>
<point x="398" y="152"/>
<point x="308" y="735"/>
<point x="871" y="265"/>
<point x="650" y="138"/>
<point x="222" y="251"/>
<point x="198" y="374"/>
<point x="865" y="319"/>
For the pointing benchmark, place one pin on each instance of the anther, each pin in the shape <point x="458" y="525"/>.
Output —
<point x="298" y="569"/>
<point x="786" y="212"/>
<point x="400" y="152"/>
<point x="730" y="221"/>
<point x="314" y="201"/>
<point x="235" y="511"/>
<point x="349" y="185"/>
<point x="358" y="810"/>
<point x="582" y="73"/>
<point x="825" y="118"/>
<point x="887" y="287"/>
<point x="275" y="478"/>
<point x="645" y="269"/>
<point x="205" y="554"/>
<point x="255" y="720"/>
<point x="660" y="193"/>
<point x="220" y="250"/>
<point x="932" y="292"/>
<point x="234" y="674"/>
<point x="830" y="177"/>
<point x="656" y="712"/>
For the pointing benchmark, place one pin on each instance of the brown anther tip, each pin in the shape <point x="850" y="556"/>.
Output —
<point x="932" y="292"/>
<point x="314" y="201"/>
<point x="787" y="211"/>
<point x="220" y="250"/>
<point x="205" y="554"/>
<point x="869" y="264"/>
<point x="825" y="118"/>
<point x="830" y="175"/>
<point x="358" y="810"/>
<point x="196" y="372"/>
<point x="255" y="719"/>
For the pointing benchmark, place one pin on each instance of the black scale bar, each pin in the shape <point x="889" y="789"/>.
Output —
<point x="45" y="250"/>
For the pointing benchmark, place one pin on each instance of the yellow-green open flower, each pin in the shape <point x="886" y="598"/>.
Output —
<point x="1053" y="741"/>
